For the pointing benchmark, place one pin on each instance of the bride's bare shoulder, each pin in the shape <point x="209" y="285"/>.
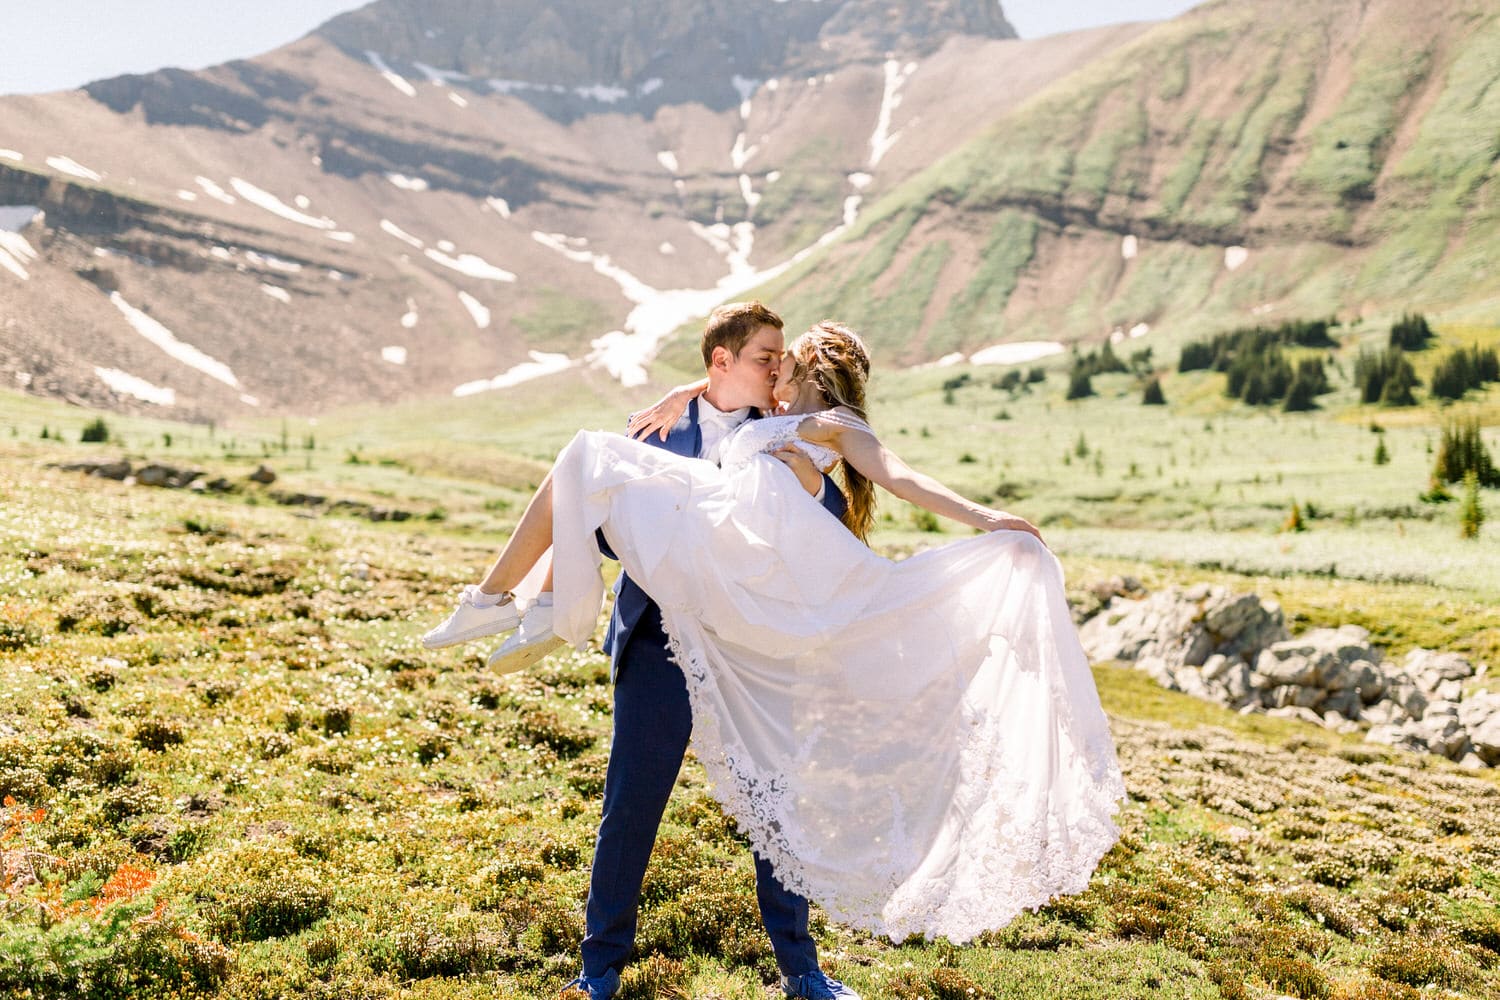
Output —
<point x="826" y="425"/>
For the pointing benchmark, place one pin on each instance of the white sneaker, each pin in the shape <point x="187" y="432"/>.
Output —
<point x="531" y="643"/>
<point x="471" y="621"/>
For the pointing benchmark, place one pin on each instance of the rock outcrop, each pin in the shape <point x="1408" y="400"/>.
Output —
<point x="1234" y="650"/>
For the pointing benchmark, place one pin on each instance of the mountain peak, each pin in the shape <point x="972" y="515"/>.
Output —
<point x="650" y="52"/>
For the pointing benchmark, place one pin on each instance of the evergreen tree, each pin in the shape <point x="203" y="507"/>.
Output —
<point x="1410" y="333"/>
<point x="1153" y="395"/>
<point x="95" y="432"/>
<point x="1464" y="369"/>
<point x="1398" y="387"/>
<point x="1471" y="515"/>
<point x="1382" y="454"/>
<point x="1385" y="377"/>
<point x="1079" y="385"/>
<point x="1461" y="451"/>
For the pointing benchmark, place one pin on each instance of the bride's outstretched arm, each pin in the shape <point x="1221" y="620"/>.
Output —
<point x="860" y="447"/>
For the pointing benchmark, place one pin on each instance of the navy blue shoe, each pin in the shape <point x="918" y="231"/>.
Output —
<point x="601" y="987"/>
<point x="815" y="985"/>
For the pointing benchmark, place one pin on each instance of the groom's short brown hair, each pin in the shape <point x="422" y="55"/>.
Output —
<point x="729" y="326"/>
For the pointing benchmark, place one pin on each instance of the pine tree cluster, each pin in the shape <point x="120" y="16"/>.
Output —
<point x="1461" y="452"/>
<point x="1411" y="333"/>
<point x="1385" y="377"/>
<point x="1465" y="369"/>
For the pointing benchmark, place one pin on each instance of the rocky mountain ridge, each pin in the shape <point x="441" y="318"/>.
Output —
<point x="342" y="220"/>
<point x="394" y="207"/>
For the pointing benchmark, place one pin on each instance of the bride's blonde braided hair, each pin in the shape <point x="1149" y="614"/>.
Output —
<point x="838" y="362"/>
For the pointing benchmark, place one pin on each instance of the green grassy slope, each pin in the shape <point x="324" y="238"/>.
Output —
<point x="238" y="775"/>
<point x="1351" y="148"/>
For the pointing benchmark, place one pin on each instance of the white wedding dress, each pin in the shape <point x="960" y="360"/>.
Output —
<point x="917" y="746"/>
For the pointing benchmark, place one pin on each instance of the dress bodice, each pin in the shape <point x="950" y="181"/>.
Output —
<point x="755" y="437"/>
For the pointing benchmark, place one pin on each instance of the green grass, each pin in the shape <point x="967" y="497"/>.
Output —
<point x="561" y="321"/>
<point x="228" y="696"/>
<point x="341" y="813"/>
<point x="975" y="316"/>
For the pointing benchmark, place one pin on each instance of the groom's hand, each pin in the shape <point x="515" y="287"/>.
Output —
<point x="796" y="459"/>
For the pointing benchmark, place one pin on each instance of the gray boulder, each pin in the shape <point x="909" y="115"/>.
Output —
<point x="1440" y="733"/>
<point x="1296" y="712"/>
<point x="1430" y="667"/>
<point x="1484" y="734"/>
<point x="1395" y="735"/>
<point x="1184" y="626"/>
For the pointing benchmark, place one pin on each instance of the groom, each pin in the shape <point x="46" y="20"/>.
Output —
<point x="742" y="348"/>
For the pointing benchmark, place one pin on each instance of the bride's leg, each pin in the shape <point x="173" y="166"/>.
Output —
<point x="528" y="543"/>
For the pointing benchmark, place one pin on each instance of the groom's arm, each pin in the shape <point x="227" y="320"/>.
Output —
<point x="833" y="498"/>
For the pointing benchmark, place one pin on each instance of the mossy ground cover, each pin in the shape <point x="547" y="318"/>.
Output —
<point x="234" y="772"/>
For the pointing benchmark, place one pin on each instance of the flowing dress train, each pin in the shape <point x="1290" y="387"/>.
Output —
<point x="917" y="746"/>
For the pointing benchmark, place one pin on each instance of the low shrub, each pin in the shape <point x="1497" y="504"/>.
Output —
<point x="1295" y="976"/>
<point x="655" y="978"/>
<point x="717" y="916"/>
<point x="953" y="984"/>
<point x="158" y="734"/>
<point x="1416" y="963"/>
<point x="542" y="727"/>
<point x="262" y="892"/>
<point x="423" y="953"/>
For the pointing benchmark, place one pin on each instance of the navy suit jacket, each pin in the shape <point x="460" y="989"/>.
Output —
<point x="631" y="602"/>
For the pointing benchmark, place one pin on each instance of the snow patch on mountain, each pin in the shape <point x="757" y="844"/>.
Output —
<point x="1016" y="353"/>
<point x="391" y="76"/>
<point x="541" y="364"/>
<point x="406" y="183"/>
<point x="477" y="310"/>
<point x="71" y="166"/>
<point x="133" y="385"/>
<point x="472" y="265"/>
<point x="882" y="140"/>
<point x="389" y="227"/>
<point x="214" y="191"/>
<point x="273" y="262"/>
<point x="15" y="251"/>
<point x="168" y="342"/>
<point x="274" y="205"/>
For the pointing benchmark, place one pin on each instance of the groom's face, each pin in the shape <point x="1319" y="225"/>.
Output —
<point x="747" y="380"/>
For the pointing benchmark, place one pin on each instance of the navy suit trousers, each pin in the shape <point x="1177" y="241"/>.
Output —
<point x="652" y="722"/>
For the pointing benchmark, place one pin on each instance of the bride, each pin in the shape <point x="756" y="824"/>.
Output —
<point x="916" y="745"/>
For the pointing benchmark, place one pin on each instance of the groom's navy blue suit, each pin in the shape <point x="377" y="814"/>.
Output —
<point x="652" y="722"/>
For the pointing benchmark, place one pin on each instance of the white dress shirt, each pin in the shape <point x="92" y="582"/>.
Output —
<point x="716" y="425"/>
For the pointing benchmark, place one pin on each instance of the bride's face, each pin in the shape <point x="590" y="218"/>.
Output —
<point x="785" y="391"/>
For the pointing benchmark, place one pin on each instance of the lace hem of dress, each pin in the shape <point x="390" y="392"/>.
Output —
<point x="752" y="799"/>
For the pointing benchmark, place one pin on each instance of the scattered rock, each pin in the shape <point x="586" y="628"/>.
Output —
<point x="1203" y="640"/>
<point x="1184" y="627"/>
<point x="263" y="474"/>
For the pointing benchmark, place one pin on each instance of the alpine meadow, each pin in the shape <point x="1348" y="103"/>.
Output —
<point x="287" y="345"/>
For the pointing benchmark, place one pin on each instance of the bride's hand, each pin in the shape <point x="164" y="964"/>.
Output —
<point x="796" y="459"/>
<point x="662" y="415"/>
<point x="1006" y="522"/>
